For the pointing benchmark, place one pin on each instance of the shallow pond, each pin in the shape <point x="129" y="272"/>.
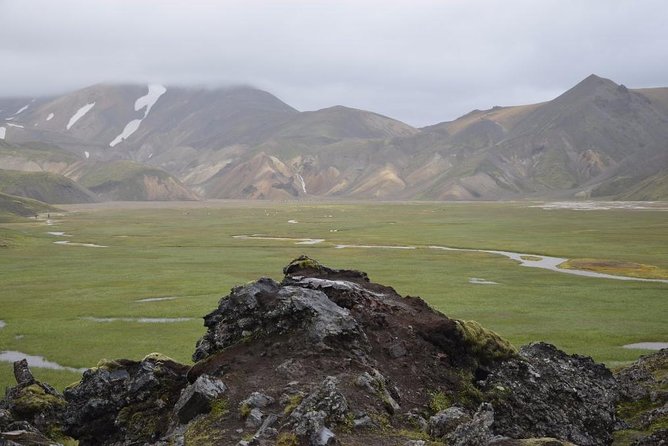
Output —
<point x="36" y="361"/>
<point x="647" y="345"/>
<point x="141" y="320"/>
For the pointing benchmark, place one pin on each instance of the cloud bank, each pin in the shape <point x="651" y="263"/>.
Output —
<point x="418" y="61"/>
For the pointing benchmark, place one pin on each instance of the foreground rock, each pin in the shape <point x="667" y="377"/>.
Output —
<point x="643" y="406"/>
<point x="327" y="357"/>
<point x="124" y="402"/>
<point x="548" y="393"/>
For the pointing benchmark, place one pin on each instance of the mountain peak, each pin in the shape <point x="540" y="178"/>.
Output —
<point x="590" y="85"/>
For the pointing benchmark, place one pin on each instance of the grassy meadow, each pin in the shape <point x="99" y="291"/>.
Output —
<point x="187" y="251"/>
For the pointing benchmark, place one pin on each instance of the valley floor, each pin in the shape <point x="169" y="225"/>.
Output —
<point x="137" y="277"/>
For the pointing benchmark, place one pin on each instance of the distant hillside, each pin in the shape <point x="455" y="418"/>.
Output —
<point x="44" y="186"/>
<point x="130" y="181"/>
<point x="12" y="206"/>
<point x="598" y="139"/>
<point x="54" y="175"/>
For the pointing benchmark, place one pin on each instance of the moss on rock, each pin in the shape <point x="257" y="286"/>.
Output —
<point x="300" y="263"/>
<point x="486" y="345"/>
<point x="34" y="399"/>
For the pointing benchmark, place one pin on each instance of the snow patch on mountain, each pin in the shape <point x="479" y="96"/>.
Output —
<point x="22" y="109"/>
<point x="147" y="101"/>
<point x="80" y="114"/>
<point x="50" y="117"/>
<point x="15" y="125"/>
<point x="3" y="131"/>
<point x="86" y="154"/>
<point x="129" y="129"/>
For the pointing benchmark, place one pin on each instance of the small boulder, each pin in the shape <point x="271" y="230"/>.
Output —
<point x="22" y="373"/>
<point x="254" y="418"/>
<point x="374" y="383"/>
<point x="324" y="437"/>
<point x="475" y="432"/>
<point x="257" y="399"/>
<point x="197" y="397"/>
<point x="325" y="406"/>
<point x="446" y="421"/>
<point x="364" y="422"/>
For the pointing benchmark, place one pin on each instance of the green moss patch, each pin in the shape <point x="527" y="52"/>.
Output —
<point x="485" y="344"/>
<point x="34" y="399"/>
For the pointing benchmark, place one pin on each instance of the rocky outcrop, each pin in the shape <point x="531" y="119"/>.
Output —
<point x="547" y="393"/>
<point x="31" y="410"/>
<point x="328" y="357"/>
<point x="643" y="406"/>
<point x="123" y="401"/>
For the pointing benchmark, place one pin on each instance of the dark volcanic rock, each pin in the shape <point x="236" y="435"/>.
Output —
<point x="328" y="357"/>
<point x="265" y="308"/>
<point x="197" y="397"/>
<point x="547" y="393"/>
<point x="124" y="402"/>
<point x="319" y="411"/>
<point x="22" y="373"/>
<point x="446" y="421"/>
<point x="477" y="431"/>
<point x="643" y="408"/>
<point x="31" y="407"/>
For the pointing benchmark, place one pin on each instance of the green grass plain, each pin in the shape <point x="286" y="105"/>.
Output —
<point x="187" y="251"/>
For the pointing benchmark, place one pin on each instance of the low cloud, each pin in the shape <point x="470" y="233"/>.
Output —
<point x="419" y="61"/>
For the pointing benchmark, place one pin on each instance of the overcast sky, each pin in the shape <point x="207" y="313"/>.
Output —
<point x="422" y="62"/>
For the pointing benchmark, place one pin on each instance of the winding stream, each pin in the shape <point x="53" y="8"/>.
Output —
<point x="529" y="260"/>
<point x="548" y="263"/>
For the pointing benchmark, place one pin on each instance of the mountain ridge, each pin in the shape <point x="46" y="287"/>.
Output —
<point x="597" y="139"/>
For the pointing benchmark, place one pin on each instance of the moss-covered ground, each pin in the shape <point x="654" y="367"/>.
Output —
<point x="188" y="252"/>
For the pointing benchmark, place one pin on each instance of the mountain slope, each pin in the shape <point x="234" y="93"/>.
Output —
<point x="134" y="121"/>
<point x="598" y="139"/>
<point x="12" y="206"/>
<point x="129" y="181"/>
<point x="44" y="186"/>
<point x="589" y="136"/>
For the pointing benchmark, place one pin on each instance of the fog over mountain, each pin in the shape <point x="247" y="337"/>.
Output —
<point x="421" y="62"/>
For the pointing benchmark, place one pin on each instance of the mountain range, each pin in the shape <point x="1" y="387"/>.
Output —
<point x="129" y="142"/>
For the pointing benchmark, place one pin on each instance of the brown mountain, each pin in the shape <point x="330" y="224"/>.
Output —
<point x="598" y="139"/>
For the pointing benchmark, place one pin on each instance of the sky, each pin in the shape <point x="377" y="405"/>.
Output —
<point x="418" y="61"/>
